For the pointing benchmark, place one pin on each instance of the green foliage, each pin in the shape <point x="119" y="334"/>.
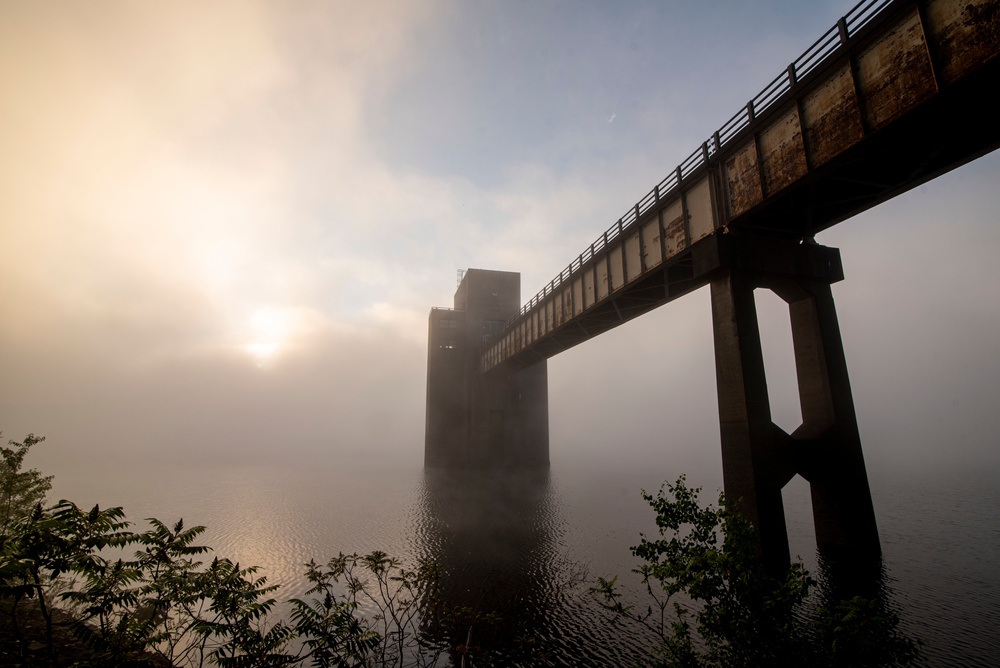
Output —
<point x="337" y="635"/>
<point x="161" y="602"/>
<point x="20" y="491"/>
<point x="863" y="633"/>
<point x="237" y="612"/>
<point x="365" y="609"/>
<point x="164" y="602"/>
<point x="733" y="611"/>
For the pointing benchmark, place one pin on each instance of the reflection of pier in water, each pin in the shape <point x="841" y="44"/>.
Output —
<point x="496" y="538"/>
<point x="522" y="600"/>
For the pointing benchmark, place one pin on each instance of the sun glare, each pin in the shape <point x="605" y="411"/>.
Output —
<point x="271" y="330"/>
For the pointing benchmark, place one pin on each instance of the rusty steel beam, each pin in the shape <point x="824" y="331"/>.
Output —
<point x="880" y="104"/>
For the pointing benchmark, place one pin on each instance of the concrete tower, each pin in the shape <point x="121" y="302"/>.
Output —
<point x="499" y="418"/>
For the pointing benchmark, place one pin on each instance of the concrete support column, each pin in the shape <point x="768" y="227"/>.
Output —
<point x="830" y="456"/>
<point x="758" y="457"/>
<point x="753" y="470"/>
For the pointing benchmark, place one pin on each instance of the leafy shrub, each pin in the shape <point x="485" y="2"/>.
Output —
<point x="162" y="606"/>
<point x="735" y="612"/>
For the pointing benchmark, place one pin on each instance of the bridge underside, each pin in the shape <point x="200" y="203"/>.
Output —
<point x="905" y="98"/>
<point x="759" y="458"/>
<point x="693" y="269"/>
<point x="955" y="127"/>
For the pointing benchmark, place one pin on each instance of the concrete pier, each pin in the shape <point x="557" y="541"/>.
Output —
<point x="758" y="457"/>
<point x="476" y="419"/>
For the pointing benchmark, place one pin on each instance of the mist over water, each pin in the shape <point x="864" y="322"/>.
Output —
<point x="222" y="226"/>
<point x="528" y="545"/>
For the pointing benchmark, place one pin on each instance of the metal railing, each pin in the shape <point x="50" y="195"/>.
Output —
<point x="821" y="50"/>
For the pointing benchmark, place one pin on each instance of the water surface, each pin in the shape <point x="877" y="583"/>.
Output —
<point x="527" y="546"/>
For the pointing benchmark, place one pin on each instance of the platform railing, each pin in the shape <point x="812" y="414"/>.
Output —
<point x="824" y="48"/>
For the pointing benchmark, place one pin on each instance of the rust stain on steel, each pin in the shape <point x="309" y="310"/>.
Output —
<point x="782" y="152"/>
<point x="744" y="179"/>
<point x="602" y="279"/>
<point x="651" y="243"/>
<point x="699" y="206"/>
<point x="588" y="288"/>
<point x="617" y="272"/>
<point x="577" y="296"/>
<point x="561" y="303"/>
<point x="633" y="264"/>
<point x="832" y="117"/>
<point x="894" y="73"/>
<point x="673" y="225"/>
<point x="966" y="34"/>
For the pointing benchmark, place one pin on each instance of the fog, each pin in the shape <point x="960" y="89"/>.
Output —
<point x="223" y="227"/>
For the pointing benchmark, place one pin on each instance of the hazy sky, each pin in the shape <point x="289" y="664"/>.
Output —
<point x="222" y="225"/>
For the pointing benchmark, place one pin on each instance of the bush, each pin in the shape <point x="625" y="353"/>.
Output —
<point x="20" y="491"/>
<point x="735" y="612"/>
<point x="164" y="607"/>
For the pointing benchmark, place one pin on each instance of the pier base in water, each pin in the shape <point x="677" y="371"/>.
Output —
<point x="758" y="457"/>
<point x="494" y="419"/>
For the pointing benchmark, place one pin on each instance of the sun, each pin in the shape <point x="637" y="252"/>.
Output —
<point x="271" y="330"/>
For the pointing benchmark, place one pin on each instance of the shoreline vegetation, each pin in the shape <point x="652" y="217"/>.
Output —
<point x="82" y="588"/>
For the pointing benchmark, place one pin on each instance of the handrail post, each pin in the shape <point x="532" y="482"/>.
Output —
<point x="792" y="79"/>
<point x="842" y="29"/>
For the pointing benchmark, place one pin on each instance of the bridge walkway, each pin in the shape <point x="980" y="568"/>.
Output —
<point x="895" y="94"/>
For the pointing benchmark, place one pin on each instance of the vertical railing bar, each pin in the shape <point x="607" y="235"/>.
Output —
<point x="842" y="30"/>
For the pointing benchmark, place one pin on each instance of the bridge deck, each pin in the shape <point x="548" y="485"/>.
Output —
<point x="897" y="93"/>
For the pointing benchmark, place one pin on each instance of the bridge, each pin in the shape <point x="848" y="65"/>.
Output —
<point x="895" y="94"/>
